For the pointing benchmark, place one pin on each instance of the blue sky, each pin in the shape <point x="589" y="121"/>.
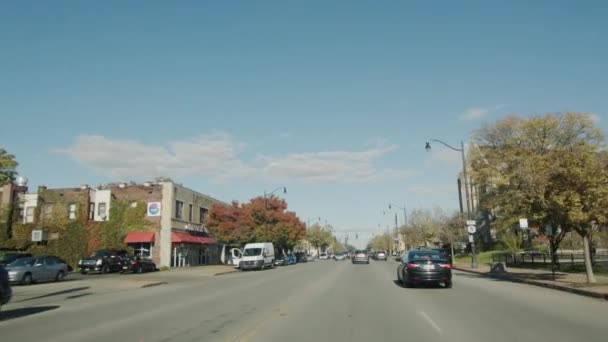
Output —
<point x="332" y="99"/>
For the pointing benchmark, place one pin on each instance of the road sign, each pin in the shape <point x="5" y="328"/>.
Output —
<point x="471" y="229"/>
<point x="471" y="238"/>
<point x="471" y="222"/>
<point x="523" y="223"/>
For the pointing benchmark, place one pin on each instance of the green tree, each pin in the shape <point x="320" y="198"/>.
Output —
<point x="546" y="168"/>
<point x="8" y="165"/>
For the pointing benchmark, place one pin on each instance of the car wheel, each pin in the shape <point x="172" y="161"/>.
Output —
<point x="83" y="272"/>
<point x="27" y="279"/>
<point x="448" y="285"/>
<point x="60" y="276"/>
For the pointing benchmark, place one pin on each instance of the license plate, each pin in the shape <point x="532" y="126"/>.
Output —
<point x="125" y="268"/>
<point x="428" y="267"/>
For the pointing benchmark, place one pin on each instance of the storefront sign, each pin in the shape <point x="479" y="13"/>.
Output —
<point x="153" y="209"/>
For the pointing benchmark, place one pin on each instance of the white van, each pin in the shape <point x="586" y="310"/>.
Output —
<point x="257" y="256"/>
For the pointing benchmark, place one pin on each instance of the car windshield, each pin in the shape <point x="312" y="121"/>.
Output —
<point x="252" y="252"/>
<point x="23" y="262"/>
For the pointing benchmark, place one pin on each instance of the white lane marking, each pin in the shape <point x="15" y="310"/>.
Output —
<point x="430" y="321"/>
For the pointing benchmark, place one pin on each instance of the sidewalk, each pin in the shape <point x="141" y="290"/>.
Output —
<point x="569" y="282"/>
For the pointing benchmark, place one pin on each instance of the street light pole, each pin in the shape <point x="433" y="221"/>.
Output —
<point x="466" y="190"/>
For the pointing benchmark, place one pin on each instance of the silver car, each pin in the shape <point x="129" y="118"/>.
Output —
<point x="28" y="270"/>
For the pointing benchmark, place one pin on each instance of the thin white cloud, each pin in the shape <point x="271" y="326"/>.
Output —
<point x="596" y="117"/>
<point x="213" y="155"/>
<point x="218" y="157"/>
<point x="333" y="166"/>
<point x="477" y="113"/>
<point x="286" y="135"/>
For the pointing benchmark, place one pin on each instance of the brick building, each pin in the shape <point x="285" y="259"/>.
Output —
<point x="176" y="234"/>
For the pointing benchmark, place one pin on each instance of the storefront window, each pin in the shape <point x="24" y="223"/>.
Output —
<point x="142" y="249"/>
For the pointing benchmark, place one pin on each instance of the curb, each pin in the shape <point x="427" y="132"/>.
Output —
<point x="153" y="284"/>
<point x="540" y="284"/>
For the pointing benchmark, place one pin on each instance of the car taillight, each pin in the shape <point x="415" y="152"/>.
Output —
<point x="133" y="262"/>
<point x="448" y="266"/>
<point x="410" y="265"/>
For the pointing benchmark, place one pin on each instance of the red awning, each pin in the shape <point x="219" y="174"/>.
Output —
<point x="182" y="237"/>
<point x="139" y="237"/>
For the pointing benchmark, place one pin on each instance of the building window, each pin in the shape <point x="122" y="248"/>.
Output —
<point x="202" y="215"/>
<point x="191" y="213"/>
<point x="91" y="210"/>
<point x="72" y="211"/>
<point x="29" y="214"/>
<point x="179" y="209"/>
<point x="101" y="210"/>
<point x="47" y="211"/>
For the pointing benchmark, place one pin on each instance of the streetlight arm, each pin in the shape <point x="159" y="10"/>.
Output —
<point x="275" y="190"/>
<point x="446" y="145"/>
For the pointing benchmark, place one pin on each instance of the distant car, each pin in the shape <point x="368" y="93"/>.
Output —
<point x="301" y="257"/>
<point x="7" y="258"/>
<point x="28" y="270"/>
<point x="310" y="258"/>
<point x="137" y="264"/>
<point x="5" y="288"/>
<point x="424" y="267"/>
<point x="381" y="256"/>
<point x="280" y="261"/>
<point x="323" y="256"/>
<point x="103" y="261"/>
<point x="340" y="257"/>
<point x="361" y="257"/>
<point x="291" y="259"/>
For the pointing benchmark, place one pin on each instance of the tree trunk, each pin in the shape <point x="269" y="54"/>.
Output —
<point x="588" y="266"/>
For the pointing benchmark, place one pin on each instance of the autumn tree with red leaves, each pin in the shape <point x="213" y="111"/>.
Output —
<point x="258" y="220"/>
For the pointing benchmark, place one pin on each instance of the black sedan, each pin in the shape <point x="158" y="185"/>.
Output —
<point x="137" y="264"/>
<point x="424" y="267"/>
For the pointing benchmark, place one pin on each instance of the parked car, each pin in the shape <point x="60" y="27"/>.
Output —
<point x="257" y="256"/>
<point x="424" y="267"/>
<point x="103" y="261"/>
<point x="5" y="288"/>
<point x="137" y="264"/>
<point x="381" y="256"/>
<point x="7" y="258"/>
<point x="301" y="257"/>
<point x="280" y="261"/>
<point x="291" y="259"/>
<point x="310" y="258"/>
<point x="361" y="257"/>
<point x="323" y="256"/>
<point x="28" y="270"/>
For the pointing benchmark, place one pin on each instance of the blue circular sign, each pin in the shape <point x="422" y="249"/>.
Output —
<point x="154" y="208"/>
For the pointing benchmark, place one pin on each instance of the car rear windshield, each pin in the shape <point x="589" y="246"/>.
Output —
<point x="424" y="256"/>
<point x="361" y="252"/>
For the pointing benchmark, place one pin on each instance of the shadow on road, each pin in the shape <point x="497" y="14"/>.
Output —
<point x="18" y="313"/>
<point x="79" y="295"/>
<point x="75" y="289"/>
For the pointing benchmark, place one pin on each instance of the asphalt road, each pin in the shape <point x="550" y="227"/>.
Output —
<point x="321" y="301"/>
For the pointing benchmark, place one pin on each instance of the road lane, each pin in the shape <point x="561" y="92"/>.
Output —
<point x="322" y="301"/>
